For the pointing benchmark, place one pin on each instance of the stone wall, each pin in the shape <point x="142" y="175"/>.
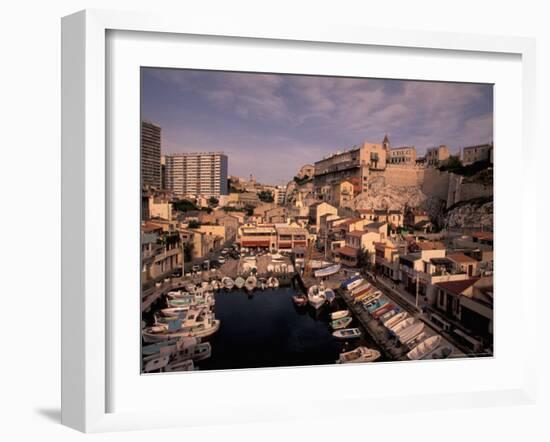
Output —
<point x="436" y="183"/>
<point x="403" y="175"/>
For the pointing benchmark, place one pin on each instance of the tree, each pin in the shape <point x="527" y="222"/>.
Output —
<point x="364" y="259"/>
<point x="194" y="224"/>
<point x="213" y="201"/>
<point x="266" y="196"/>
<point x="185" y="206"/>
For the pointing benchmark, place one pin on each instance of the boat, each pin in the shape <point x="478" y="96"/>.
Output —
<point x="360" y="354"/>
<point x="361" y="288"/>
<point x="327" y="271"/>
<point x="177" y="294"/>
<point x="424" y="348"/>
<point x="262" y="283"/>
<point x="300" y="300"/>
<point x="350" y="281"/>
<point x="441" y="353"/>
<point x="341" y="323"/>
<point x="186" y="365"/>
<point x="411" y="343"/>
<point x="155" y="362"/>
<point x="272" y="282"/>
<point x="390" y="314"/>
<point x="370" y="298"/>
<point x="411" y="332"/>
<point x="216" y="285"/>
<point x="228" y="283"/>
<point x="316" y="297"/>
<point x="239" y="282"/>
<point x="149" y="350"/>
<point x="330" y="295"/>
<point x="380" y="311"/>
<point x="347" y="333"/>
<point x="339" y="314"/>
<point x="355" y="284"/>
<point x="250" y="283"/>
<point x="374" y="305"/>
<point x="200" y="325"/>
<point x="394" y="320"/>
<point x="402" y="325"/>
<point x="175" y="311"/>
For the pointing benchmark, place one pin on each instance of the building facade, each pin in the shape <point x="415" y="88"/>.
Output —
<point x="435" y="156"/>
<point x="473" y="154"/>
<point x="150" y="155"/>
<point x="197" y="174"/>
<point x="402" y="155"/>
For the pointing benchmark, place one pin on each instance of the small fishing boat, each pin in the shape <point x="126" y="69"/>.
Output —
<point x="374" y="305"/>
<point x="327" y="271"/>
<point x="239" y="282"/>
<point x="316" y="297"/>
<point x="441" y="353"/>
<point x="272" y="282"/>
<point x="201" y="325"/>
<point x="390" y="314"/>
<point x="380" y="311"/>
<point x="402" y="325"/>
<point x="347" y="333"/>
<point x="250" y="283"/>
<point x="175" y="311"/>
<point x="354" y="283"/>
<point x="262" y="283"/>
<point x="394" y="320"/>
<point x="411" y="343"/>
<point x="424" y="348"/>
<point x="330" y="295"/>
<point x="216" y="285"/>
<point x="155" y="362"/>
<point x="149" y="350"/>
<point x="339" y="314"/>
<point x="228" y="283"/>
<point x="300" y="300"/>
<point x="341" y="323"/>
<point x="371" y="297"/>
<point x="345" y="284"/>
<point x="410" y="332"/>
<point x="360" y="354"/>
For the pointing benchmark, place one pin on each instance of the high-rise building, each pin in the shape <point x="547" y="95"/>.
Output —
<point x="150" y="155"/>
<point x="197" y="174"/>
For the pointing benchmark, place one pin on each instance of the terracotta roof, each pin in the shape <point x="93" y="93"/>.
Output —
<point x="150" y="227"/>
<point x="365" y="210"/>
<point x="430" y="245"/>
<point x="457" y="287"/>
<point x="348" y="251"/>
<point x="483" y="235"/>
<point x="357" y="233"/>
<point x="461" y="257"/>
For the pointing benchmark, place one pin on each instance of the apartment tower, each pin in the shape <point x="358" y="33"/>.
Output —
<point x="150" y="155"/>
<point x="197" y="174"/>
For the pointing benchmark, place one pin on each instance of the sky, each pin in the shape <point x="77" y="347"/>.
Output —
<point x="271" y="124"/>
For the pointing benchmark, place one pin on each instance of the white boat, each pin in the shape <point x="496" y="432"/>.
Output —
<point x="316" y="297"/>
<point x="402" y="325"/>
<point x="339" y="314"/>
<point x="411" y="343"/>
<point x="175" y="311"/>
<point x="239" y="282"/>
<point x="347" y="333"/>
<point x="272" y="282"/>
<point x="360" y="354"/>
<point x="216" y="285"/>
<point x="355" y="284"/>
<point x="197" y="325"/>
<point x="228" y="283"/>
<point x="341" y="323"/>
<point x="390" y="314"/>
<point x="262" y="284"/>
<point x="155" y="362"/>
<point x="250" y="283"/>
<point x="424" y="348"/>
<point x="411" y="332"/>
<point x="327" y="271"/>
<point x="177" y="294"/>
<point x="441" y="353"/>
<point x="394" y="320"/>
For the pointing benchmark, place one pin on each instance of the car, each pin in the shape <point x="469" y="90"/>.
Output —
<point x="196" y="268"/>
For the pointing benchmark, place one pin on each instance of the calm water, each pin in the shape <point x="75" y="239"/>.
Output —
<point x="266" y="329"/>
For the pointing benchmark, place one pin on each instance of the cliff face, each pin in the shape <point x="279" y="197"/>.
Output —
<point x="474" y="213"/>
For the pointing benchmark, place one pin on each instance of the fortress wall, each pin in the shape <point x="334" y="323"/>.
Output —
<point x="404" y="175"/>
<point x="436" y="183"/>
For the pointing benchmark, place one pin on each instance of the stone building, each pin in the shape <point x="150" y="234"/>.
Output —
<point x="402" y="155"/>
<point x="435" y="156"/>
<point x="473" y="154"/>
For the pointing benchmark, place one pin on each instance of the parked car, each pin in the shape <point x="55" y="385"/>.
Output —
<point x="196" y="268"/>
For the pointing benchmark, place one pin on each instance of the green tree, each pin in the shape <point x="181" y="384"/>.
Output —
<point x="364" y="258"/>
<point x="266" y="196"/>
<point x="185" y="206"/>
<point x="194" y="224"/>
<point x="213" y="201"/>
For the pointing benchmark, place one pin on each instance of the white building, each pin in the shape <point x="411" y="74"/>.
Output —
<point x="197" y="174"/>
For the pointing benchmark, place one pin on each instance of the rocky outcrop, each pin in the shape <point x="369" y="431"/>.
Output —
<point x="474" y="213"/>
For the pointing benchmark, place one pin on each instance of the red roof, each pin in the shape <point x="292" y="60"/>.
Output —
<point x="461" y="257"/>
<point x="357" y="233"/>
<point x="457" y="287"/>
<point x="348" y="251"/>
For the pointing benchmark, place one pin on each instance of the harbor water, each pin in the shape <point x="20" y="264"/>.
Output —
<point x="266" y="329"/>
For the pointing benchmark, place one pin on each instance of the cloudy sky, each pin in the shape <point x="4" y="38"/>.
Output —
<point x="269" y="125"/>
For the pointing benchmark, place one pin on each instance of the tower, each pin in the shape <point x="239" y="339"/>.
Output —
<point x="386" y="143"/>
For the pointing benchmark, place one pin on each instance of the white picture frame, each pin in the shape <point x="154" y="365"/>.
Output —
<point x="85" y="199"/>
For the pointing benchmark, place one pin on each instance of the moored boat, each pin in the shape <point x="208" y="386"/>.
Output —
<point x="410" y="332"/>
<point x="402" y="325"/>
<point x="380" y="311"/>
<point x="186" y="365"/>
<point x="239" y="282"/>
<point x="341" y="323"/>
<point x="394" y="320"/>
<point x="228" y="283"/>
<point x="424" y="348"/>
<point x="347" y="333"/>
<point x="272" y="282"/>
<point x="390" y="314"/>
<point x="360" y="354"/>
<point x="441" y="353"/>
<point x="300" y="300"/>
<point x="339" y="314"/>
<point x="330" y="295"/>
<point x="199" y="326"/>
<point x="316" y="297"/>
<point x="250" y="283"/>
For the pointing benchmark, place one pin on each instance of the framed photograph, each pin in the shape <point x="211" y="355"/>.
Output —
<point x="249" y="212"/>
